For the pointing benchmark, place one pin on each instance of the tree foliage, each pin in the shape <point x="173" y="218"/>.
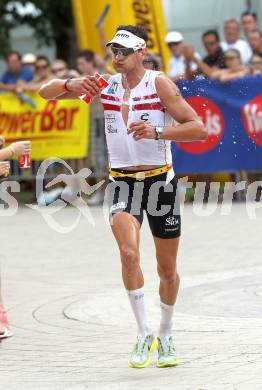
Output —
<point x="52" y="23"/>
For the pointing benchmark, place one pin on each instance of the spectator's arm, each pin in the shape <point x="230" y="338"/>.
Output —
<point x="231" y="76"/>
<point x="7" y="87"/>
<point x="189" y="73"/>
<point x="15" y="149"/>
<point x="217" y="74"/>
<point x="204" y="68"/>
<point x="190" y="55"/>
<point x="31" y="87"/>
<point x="102" y="39"/>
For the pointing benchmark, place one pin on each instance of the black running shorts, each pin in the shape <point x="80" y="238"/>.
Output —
<point x="151" y="194"/>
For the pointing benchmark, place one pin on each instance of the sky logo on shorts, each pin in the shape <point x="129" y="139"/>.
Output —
<point x="113" y="88"/>
<point x="118" y="206"/>
<point x="171" y="221"/>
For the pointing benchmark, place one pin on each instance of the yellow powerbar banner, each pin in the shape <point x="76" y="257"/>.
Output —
<point x="57" y="128"/>
<point x="146" y="13"/>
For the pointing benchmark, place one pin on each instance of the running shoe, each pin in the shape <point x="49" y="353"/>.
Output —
<point x="167" y="356"/>
<point x="140" y="357"/>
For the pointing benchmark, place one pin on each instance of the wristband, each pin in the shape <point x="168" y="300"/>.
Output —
<point x="64" y="87"/>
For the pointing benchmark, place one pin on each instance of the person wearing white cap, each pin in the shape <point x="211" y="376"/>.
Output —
<point x="178" y="66"/>
<point x="140" y="107"/>
<point x="29" y="60"/>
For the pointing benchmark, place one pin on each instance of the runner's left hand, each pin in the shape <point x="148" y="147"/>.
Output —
<point x="141" y="129"/>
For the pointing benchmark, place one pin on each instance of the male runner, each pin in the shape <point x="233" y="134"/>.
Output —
<point x="140" y="108"/>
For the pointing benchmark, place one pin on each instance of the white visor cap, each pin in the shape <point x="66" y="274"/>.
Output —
<point x="127" y="39"/>
<point x="174" y="37"/>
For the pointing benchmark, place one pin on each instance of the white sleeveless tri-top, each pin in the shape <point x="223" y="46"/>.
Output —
<point x="144" y="104"/>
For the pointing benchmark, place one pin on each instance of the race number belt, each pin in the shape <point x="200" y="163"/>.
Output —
<point x="141" y="174"/>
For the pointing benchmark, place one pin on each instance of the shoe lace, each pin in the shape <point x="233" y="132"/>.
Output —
<point x="168" y="348"/>
<point x="140" y="346"/>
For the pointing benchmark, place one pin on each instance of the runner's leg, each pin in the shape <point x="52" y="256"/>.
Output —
<point x="125" y="228"/>
<point x="166" y="253"/>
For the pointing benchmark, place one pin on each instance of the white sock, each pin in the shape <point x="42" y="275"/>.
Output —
<point x="166" y="322"/>
<point x="137" y="301"/>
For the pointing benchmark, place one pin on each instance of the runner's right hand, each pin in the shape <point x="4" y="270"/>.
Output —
<point x="88" y="85"/>
<point x="20" y="147"/>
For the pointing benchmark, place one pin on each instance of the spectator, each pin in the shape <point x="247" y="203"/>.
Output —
<point x="103" y="61"/>
<point x="234" y="67"/>
<point x="101" y="64"/>
<point x="61" y="71"/>
<point x="43" y="74"/>
<point x="249" y="21"/>
<point x="15" y="72"/>
<point x="256" y="64"/>
<point x="233" y="41"/>
<point x="215" y="55"/>
<point x="255" y="41"/>
<point x="29" y="60"/>
<point x="178" y="66"/>
<point x="86" y="62"/>
<point x="151" y="62"/>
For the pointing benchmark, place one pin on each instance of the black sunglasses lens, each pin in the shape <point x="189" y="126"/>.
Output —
<point x="122" y="51"/>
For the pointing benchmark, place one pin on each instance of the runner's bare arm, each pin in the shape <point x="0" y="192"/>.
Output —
<point x="190" y="127"/>
<point x="55" y="89"/>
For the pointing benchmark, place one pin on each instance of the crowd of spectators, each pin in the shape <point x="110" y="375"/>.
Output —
<point x="237" y="55"/>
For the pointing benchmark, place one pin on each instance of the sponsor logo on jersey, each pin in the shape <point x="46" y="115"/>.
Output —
<point x="113" y="88"/>
<point x="111" y="129"/>
<point x="110" y="117"/>
<point x="145" y="116"/>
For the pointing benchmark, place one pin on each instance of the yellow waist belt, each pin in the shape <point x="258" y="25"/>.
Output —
<point x="142" y="174"/>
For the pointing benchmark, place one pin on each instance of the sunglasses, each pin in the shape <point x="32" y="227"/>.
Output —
<point x="122" y="51"/>
<point x="231" y="58"/>
<point x="58" y="70"/>
<point x="211" y="43"/>
<point x="41" y="66"/>
<point x="173" y="44"/>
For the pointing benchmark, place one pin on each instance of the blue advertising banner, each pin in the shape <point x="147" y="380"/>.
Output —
<point x="232" y="114"/>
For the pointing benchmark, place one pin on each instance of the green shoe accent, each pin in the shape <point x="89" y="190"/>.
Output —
<point x="167" y="356"/>
<point x="140" y="357"/>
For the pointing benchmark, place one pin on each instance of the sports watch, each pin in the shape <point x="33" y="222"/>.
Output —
<point x="159" y="132"/>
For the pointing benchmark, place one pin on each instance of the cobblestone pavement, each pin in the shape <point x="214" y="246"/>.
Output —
<point x="73" y="327"/>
